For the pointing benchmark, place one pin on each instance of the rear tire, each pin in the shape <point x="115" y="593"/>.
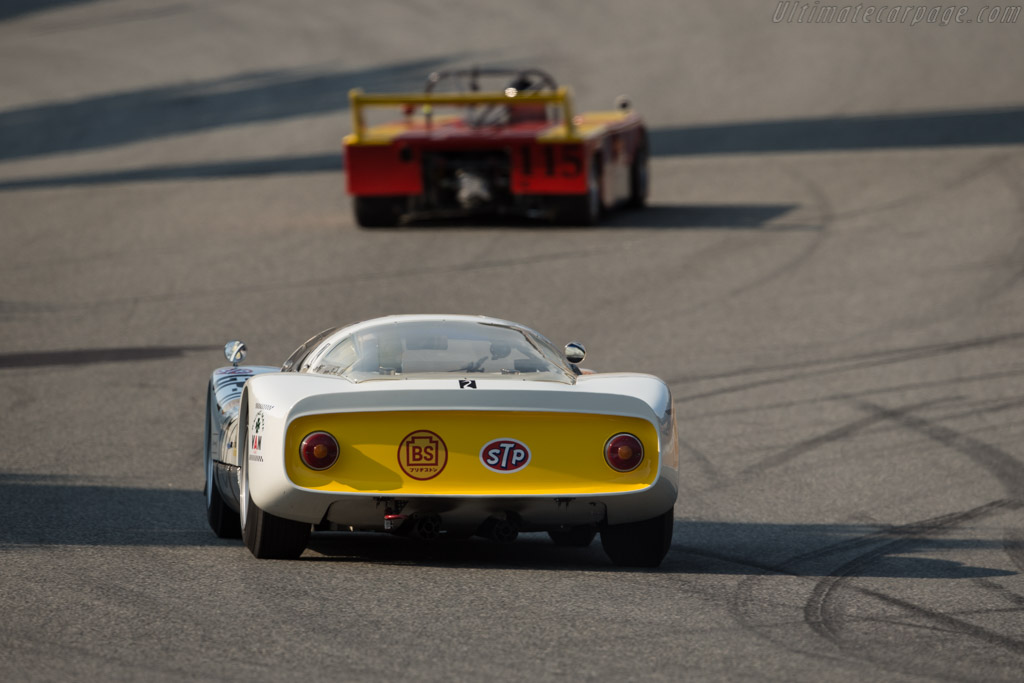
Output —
<point x="639" y="544"/>
<point x="585" y="209"/>
<point x="271" y="537"/>
<point x="639" y="178"/>
<point x="222" y="519"/>
<point x="573" y="537"/>
<point x="377" y="212"/>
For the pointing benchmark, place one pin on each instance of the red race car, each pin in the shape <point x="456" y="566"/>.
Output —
<point x="516" y="150"/>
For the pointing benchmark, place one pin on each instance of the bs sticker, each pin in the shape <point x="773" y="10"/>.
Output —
<point x="505" y="455"/>
<point x="422" y="454"/>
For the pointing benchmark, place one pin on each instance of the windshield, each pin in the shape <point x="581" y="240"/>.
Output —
<point x="406" y="349"/>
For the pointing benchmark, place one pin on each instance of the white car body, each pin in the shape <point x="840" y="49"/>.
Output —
<point x="256" y="413"/>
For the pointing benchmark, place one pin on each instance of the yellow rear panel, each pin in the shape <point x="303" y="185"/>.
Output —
<point x="566" y="453"/>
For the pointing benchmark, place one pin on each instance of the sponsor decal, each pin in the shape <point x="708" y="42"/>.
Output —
<point x="422" y="454"/>
<point x="505" y="455"/>
<point x="264" y="406"/>
<point x="467" y="384"/>
<point x="233" y="371"/>
<point x="256" y="443"/>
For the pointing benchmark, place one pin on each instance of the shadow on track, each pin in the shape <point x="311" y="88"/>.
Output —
<point x="243" y="168"/>
<point x="656" y="216"/>
<point x="123" y="118"/>
<point x="41" y="511"/>
<point x="148" y="113"/>
<point x="10" y="9"/>
<point x="90" y="356"/>
<point x="921" y="129"/>
<point x="764" y="548"/>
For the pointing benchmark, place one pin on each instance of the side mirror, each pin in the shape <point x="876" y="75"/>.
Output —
<point x="235" y="352"/>
<point x="575" y="353"/>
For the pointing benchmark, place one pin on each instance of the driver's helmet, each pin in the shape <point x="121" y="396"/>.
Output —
<point x="519" y="113"/>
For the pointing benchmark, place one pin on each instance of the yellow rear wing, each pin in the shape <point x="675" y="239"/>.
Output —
<point x="359" y="101"/>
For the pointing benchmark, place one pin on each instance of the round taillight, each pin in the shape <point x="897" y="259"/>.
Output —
<point x="319" y="451"/>
<point x="624" y="452"/>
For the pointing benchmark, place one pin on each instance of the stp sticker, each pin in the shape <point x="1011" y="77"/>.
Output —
<point x="422" y="454"/>
<point x="505" y="455"/>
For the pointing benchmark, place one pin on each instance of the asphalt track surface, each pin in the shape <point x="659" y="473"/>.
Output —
<point x="829" y="277"/>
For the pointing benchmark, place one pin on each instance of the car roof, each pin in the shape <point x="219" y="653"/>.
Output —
<point x="431" y="317"/>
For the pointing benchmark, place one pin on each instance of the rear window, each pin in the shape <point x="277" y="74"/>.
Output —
<point x="426" y="349"/>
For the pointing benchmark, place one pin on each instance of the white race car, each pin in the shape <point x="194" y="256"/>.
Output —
<point x="430" y="425"/>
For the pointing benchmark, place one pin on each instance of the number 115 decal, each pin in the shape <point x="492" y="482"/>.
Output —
<point x="565" y="161"/>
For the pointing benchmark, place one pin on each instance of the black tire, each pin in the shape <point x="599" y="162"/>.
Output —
<point x="639" y="178"/>
<point x="585" y="209"/>
<point x="271" y="537"/>
<point x="223" y="520"/>
<point x="638" y="544"/>
<point x="377" y="212"/>
<point x="574" y="537"/>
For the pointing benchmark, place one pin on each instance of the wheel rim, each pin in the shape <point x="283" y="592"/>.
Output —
<point x="243" y="491"/>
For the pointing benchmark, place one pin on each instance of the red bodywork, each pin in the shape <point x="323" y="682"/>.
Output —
<point x="396" y="168"/>
<point x="527" y="166"/>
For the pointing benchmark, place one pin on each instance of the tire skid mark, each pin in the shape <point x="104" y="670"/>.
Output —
<point x="819" y="612"/>
<point x="684" y="269"/>
<point x="974" y="172"/>
<point x="898" y="389"/>
<point x="1016" y="257"/>
<point x="703" y="461"/>
<point x="959" y="626"/>
<point x="996" y="281"/>
<point x="730" y="246"/>
<point x="816" y="612"/>
<point x="321" y="282"/>
<point x="858" y="362"/>
<point x="999" y="463"/>
<point x="820" y="233"/>
<point x="1013" y="546"/>
<point x="884" y="357"/>
<point x="993" y="586"/>
<point x="904" y="533"/>
<point x="985" y="407"/>
<point x="827" y="216"/>
<point x="838" y="434"/>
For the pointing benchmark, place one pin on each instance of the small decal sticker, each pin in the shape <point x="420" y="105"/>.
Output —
<point x="264" y="406"/>
<point x="422" y="454"/>
<point x="505" y="455"/>
<point x="256" y="443"/>
<point x="233" y="371"/>
<point x="467" y="384"/>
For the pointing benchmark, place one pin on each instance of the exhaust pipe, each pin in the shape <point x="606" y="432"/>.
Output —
<point x="425" y="527"/>
<point x="500" y="530"/>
